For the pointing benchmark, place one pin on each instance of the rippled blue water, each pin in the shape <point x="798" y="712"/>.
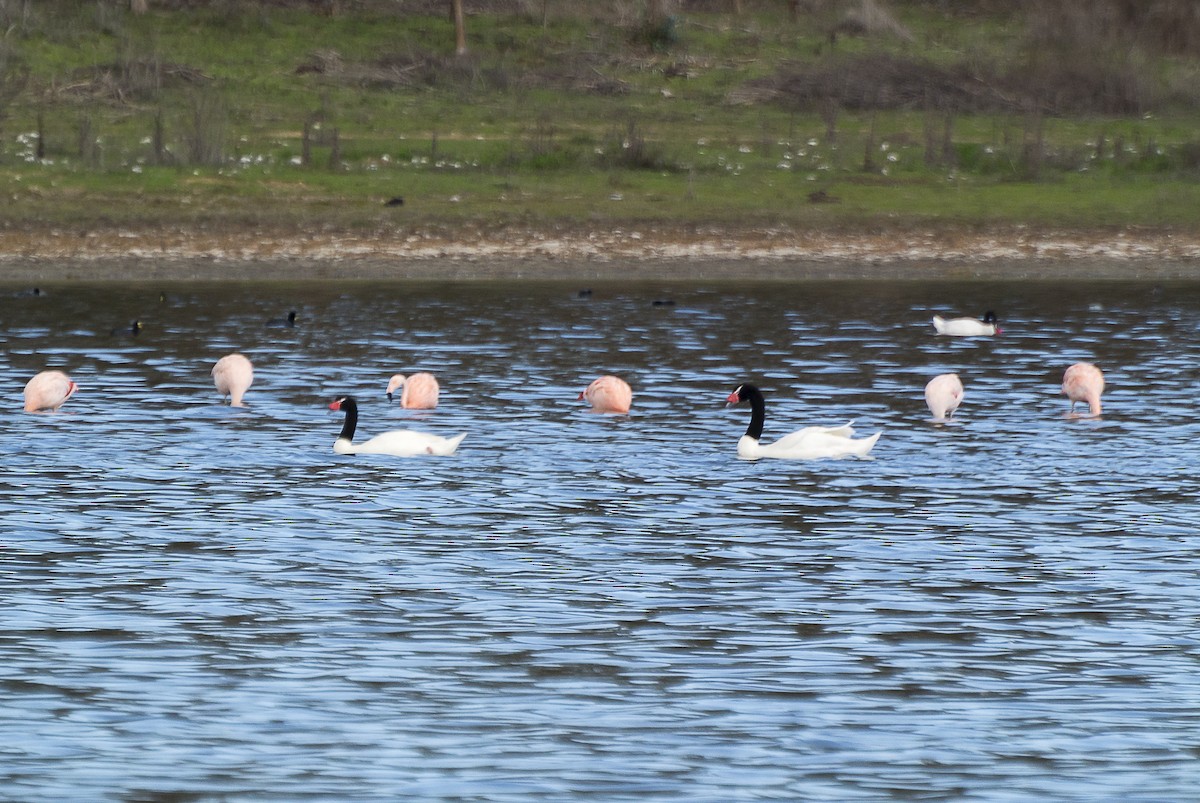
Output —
<point x="203" y="603"/>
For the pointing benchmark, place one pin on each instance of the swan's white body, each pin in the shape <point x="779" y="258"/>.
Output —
<point x="420" y="391"/>
<point x="944" y="394"/>
<point x="397" y="443"/>
<point x="233" y="374"/>
<point x="810" y="443"/>
<point x="1084" y="382"/>
<point x="47" y="391"/>
<point x="964" y="327"/>
<point x="608" y="394"/>
<point x="401" y="443"/>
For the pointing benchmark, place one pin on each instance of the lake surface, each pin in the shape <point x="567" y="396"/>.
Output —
<point x="205" y="603"/>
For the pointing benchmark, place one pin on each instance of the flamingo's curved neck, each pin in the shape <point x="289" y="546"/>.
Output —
<point x="758" y="412"/>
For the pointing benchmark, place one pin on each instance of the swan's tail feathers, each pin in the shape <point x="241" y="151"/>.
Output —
<point x="939" y="323"/>
<point x="865" y="445"/>
<point x="846" y="430"/>
<point x="449" y="445"/>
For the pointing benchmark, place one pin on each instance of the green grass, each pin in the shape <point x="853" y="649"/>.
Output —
<point x="518" y="133"/>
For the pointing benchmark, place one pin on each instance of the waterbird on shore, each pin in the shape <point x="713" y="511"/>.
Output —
<point x="1084" y="382"/>
<point x="809" y="443"/>
<point x="419" y="391"/>
<point x="967" y="327"/>
<point x="233" y="374"/>
<point x="398" y="442"/>
<point x="608" y="394"/>
<point x="943" y="395"/>
<point x="47" y="391"/>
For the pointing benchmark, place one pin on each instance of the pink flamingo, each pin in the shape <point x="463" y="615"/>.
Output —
<point x="420" y="391"/>
<point x="1084" y="382"/>
<point x="943" y="394"/>
<point x="233" y="375"/>
<point x="47" y="391"/>
<point x="608" y="394"/>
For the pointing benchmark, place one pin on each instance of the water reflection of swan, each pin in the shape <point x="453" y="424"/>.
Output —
<point x="608" y="394"/>
<point x="810" y="443"/>
<point x="398" y="442"/>
<point x="420" y="391"/>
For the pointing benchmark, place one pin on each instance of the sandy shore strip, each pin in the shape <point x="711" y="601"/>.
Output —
<point x="651" y="254"/>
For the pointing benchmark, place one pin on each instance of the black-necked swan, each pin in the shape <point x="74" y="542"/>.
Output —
<point x="1084" y="382"/>
<point x="419" y="391"/>
<point x="399" y="442"/>
<point x="943" y="395"/>
<point x="810" y="443"/>
<point x="967" y="327"/>
<point x="233" y="374"/>
<point x="47" y="391"/>
<point x="608" y="394"/>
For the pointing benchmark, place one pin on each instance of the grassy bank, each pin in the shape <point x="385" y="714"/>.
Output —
<point x="274" y="116"/>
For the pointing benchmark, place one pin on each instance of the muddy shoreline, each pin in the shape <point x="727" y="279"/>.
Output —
<point x="768" y="255"/>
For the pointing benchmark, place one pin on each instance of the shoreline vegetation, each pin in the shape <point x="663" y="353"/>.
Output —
<point x="680" y="139"/>
<point x="636" y="253"/>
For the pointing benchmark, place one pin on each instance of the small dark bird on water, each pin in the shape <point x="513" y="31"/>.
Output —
<point x="585" y="292"/>
<point x="397" y="201"/>
<point x="287" y="322"/>
<point x="664" y="302"/>
<point x="127" y="331"/>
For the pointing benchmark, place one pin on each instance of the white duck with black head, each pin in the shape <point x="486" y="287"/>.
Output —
<point x="968" y="327"/>
<point x="810" y="443"/>
<point x="397" y="442"/>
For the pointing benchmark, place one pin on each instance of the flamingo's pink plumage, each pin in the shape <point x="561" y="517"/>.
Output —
<point x="1084" y="382"/>
<point x="943" y="394"/>
<point x="233" y="375"/>
<point x="420" y="391"/>
<point x="47" y="391"/>
<point x="608" y="394"/>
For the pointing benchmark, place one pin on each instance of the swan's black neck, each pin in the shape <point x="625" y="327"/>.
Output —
<point x="758" y="409"/>
<point x="350" y="407"/>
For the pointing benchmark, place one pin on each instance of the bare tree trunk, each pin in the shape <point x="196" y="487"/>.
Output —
<point x="159" y="140"/>
<point x="41" y="135"/>
<point x="335" y="152"/>
<point x="460" y="27"/>
<point x="949" y="157"/>
<point x="869" y="148"/>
